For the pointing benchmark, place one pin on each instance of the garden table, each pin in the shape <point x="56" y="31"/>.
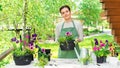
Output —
<point x="112" y="62"/>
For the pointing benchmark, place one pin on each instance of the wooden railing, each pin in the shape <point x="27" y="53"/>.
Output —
<point x="5" y="53"/>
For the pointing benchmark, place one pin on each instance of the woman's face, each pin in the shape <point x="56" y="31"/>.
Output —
<point x="66" y="14"/>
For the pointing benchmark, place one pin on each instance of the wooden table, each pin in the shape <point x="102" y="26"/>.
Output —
<point x="112" y="62"/>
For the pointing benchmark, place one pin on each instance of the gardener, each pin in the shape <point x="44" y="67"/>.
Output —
<point x="68" y="25"/>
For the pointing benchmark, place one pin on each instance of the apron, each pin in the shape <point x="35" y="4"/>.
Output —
<point x="69" y="53"/>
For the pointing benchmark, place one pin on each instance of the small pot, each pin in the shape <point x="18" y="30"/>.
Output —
<point x="47" y="51"/>
<point x="69" y="45"/>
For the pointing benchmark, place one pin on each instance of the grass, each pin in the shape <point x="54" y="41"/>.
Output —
<point x="85" y="43"/>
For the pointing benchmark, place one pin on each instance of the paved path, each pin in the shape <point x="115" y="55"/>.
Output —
<point x="106" y="31"/>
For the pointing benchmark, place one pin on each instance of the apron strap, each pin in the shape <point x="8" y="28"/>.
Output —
<point x="73" y="26"/>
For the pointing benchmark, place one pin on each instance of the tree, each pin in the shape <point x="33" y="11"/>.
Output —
<point x="41" y="14"/>
<point x="0" y="7"/>
<point x="90" y="12"/>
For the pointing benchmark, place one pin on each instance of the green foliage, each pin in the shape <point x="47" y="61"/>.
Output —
<point x="85" y="60"/>
<point x="18" y="52"/>
<point x="87" y="41"/>
<point x="0" y="7"/>
<point x="3" y="63"/>
<point x="41" y="14"/>
<point x="62" y="39"/>
<point x="90" y="11"/>
<point x="42" y="61"/>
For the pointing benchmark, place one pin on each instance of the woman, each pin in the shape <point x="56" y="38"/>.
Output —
<point x="68" y="25"/>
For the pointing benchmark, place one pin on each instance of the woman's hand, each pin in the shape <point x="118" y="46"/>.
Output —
<point x="77" y="40"/>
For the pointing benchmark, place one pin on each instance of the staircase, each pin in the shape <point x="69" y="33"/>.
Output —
<point x="112" y="11"/>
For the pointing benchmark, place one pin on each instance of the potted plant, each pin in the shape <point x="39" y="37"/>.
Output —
<point x="101" y="50"/>
<point x="67" y="42"/>
<point x="23" y="55"/>
<point x="43" y="56"/>
<point x="44" y="52"/>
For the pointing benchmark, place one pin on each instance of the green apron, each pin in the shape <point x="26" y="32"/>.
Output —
<point x="69" y="53"/>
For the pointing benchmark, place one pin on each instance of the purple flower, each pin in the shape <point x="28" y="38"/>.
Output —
<point x="96" y="41"/>
<point x="36" y="46"/>
<point x="33" y="38"/>
<point x="17" y="41"/>
<point x="68" y="34"/>
<point x="106" y="41"/>
<point x="30" y="43"/>
<point x="34" y="35"/>
<point x="13" y="39"/>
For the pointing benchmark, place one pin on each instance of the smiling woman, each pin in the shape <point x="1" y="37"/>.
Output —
<point x="71" y="26"/>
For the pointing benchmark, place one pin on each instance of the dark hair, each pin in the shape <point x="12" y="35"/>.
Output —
<point x="64" y="6"/>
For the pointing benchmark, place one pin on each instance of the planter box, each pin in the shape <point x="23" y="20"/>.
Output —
<point x="69" y="45"/>
<point x="23" y="60"/>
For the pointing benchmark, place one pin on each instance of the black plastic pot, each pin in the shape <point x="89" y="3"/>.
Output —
<point x="48" y="53"/>
<point x="22" y="60"/>
<point x="69" y="45"/>
<point x="100" y="59"/>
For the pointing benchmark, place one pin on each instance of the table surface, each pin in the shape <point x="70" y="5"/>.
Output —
<point x="112" y="62"/>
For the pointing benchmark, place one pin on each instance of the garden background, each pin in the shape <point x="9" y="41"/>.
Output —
<point x="42" y="15"/>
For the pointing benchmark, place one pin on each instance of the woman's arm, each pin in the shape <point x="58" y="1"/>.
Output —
<point x="80" y="32"/>
<point x="57" y="32"/>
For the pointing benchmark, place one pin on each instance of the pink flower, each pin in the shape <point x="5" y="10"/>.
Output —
<point x="20" y="40"/>
<point x="25" y="42"/>
<point x="27" y="36"/>
<point x="102" y="44"/>
<point x="101" y="41"/>
<point x="95" y="48"/>
<point x="43" y="50"/>
<point x="31" y="47"/>
<point x="68" y="33"/>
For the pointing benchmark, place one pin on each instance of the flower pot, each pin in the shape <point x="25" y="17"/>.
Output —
<point x="100" y="59"/>
<point x="22" y="60"/>
<point x="104" y="59"/>
<point x="69" y="45"/>
<point x="31" y="57"/>
<point x="48" y="53"/>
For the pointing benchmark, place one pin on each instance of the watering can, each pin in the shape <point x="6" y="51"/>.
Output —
<point x="84" y="52"/>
